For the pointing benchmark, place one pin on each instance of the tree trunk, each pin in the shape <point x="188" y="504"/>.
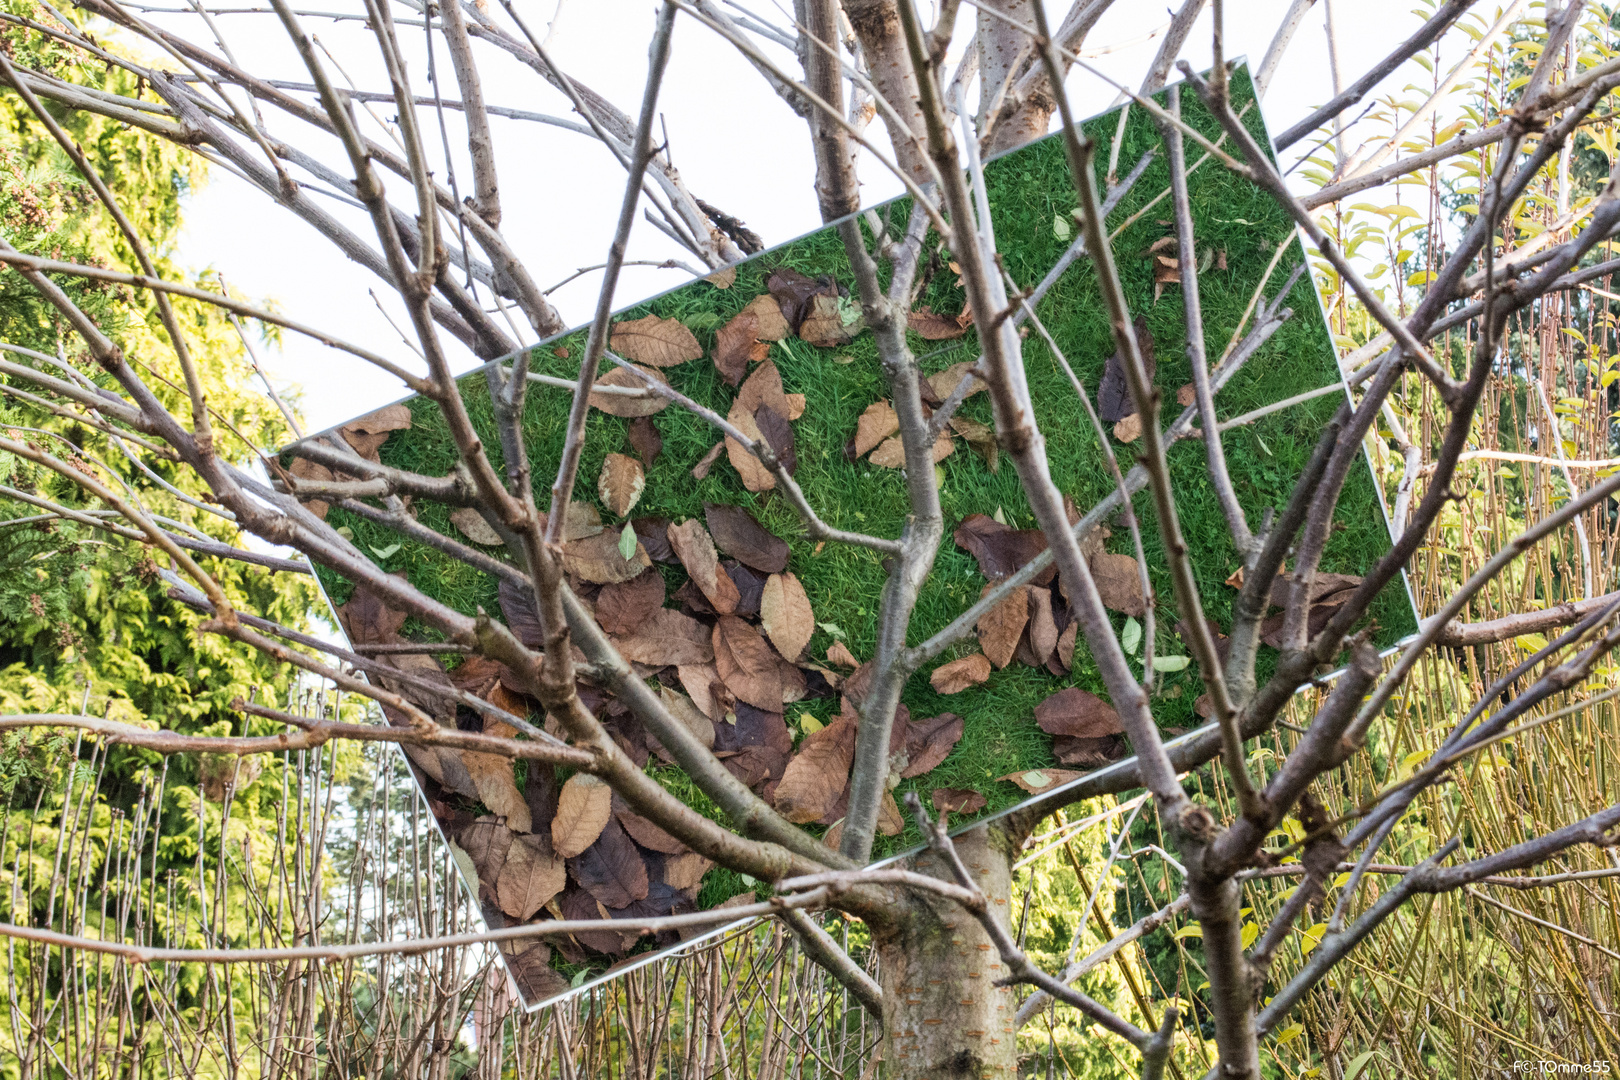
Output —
<point x="877" y="26"/>
<point x="943" y="1017"/>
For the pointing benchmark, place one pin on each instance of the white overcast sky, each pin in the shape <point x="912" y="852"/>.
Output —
<point x="737" y="145"/>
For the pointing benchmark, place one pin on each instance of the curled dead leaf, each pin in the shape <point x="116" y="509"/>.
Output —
<point x="942" y="384"/>
<point x="832" y="321"/>
<point x="700" y="471"/>
<point x="694" y="547"/>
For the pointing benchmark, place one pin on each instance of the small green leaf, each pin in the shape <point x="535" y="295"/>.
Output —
<point x="385" y="552"/>
<point x="1131" y="638"/>
<point x="1061" y="227"/>
<point x="1358" y="1063"/>
<point x="579" y="977"/>
<point x="809" y="724"/>
<point x="627" y="542"/>
<point x="1170" y="663"/>
<point x="1036" y="779"/>
<point x="1190" y="931"/>
<point x="999" y="517"/>
<point x="346" y="532"/>
<point x="833" y="629"/>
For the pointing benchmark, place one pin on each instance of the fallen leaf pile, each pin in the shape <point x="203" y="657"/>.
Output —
<point x="728" y="649"/>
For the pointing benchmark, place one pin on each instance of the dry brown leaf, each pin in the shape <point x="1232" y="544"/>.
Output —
<point x="624" y="606"/>
<point x="1119" y="583"/>
<point x="839" y="654"/>
<point x="746" y="664"/>
<point x="794" y="293"/>
<point x="700" y="471"/>
<point x="737" y="344"/>
<point x="932" y="326"/>
<point x="957" y="801"/>
<point x="1001" y="627"/>
<point x="889" y="821"/>
<point x="784" y="611"/>
<point x="1064" y="653"/>
<point x="739" y="535"/>
<point x="597" y="559"/>
<point x="825" y="326"/>
<point x="645" y="440"/>
<point x="367" y="434"/>
<point x="929" y="742"/>
<point x="682" y="708"/>
<point x="1186" y="395"/>
<point x="644" y="832"/>
<point x="982" y="437"/>
<point x="1114" y="401"/>
<point x="695" y="548"/>
<point x="877" y="423"/>
<point x="621" y="483"/>
<point x="1035" y="781"/>
<point x="652" y="340"/>
<point x="764" y="387"/>
<point x="583" y="808"/>
<point x="685" y="872"/>
<point x="795" y="404"/>
<point x="892" y="454"/>
<point x="474" y="527"/>
<point x="305" y="469"/>
<point x="958" y="675"/>
<point x="755" y="476"/>
<point x="611" y="870"/>
<point x="1129" y="429"/>
<point x="1000" y="549"/>
<point x="1043" y="631"/>
<point x="942" y="384"/>
<point x="667" y="637"/>
<point x="531" y="876"/>
<point x="580" y="521"/>
<point x="492" y="776"/>
<point x="818" y="774"/>
<point x="769" y="325"/>
<point x="723" y="278"/>
<point x="778" y="434"/>
<point x="1072" y="711"/>
<point x="700" y="681"/>
<point x="643" y="404"/>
